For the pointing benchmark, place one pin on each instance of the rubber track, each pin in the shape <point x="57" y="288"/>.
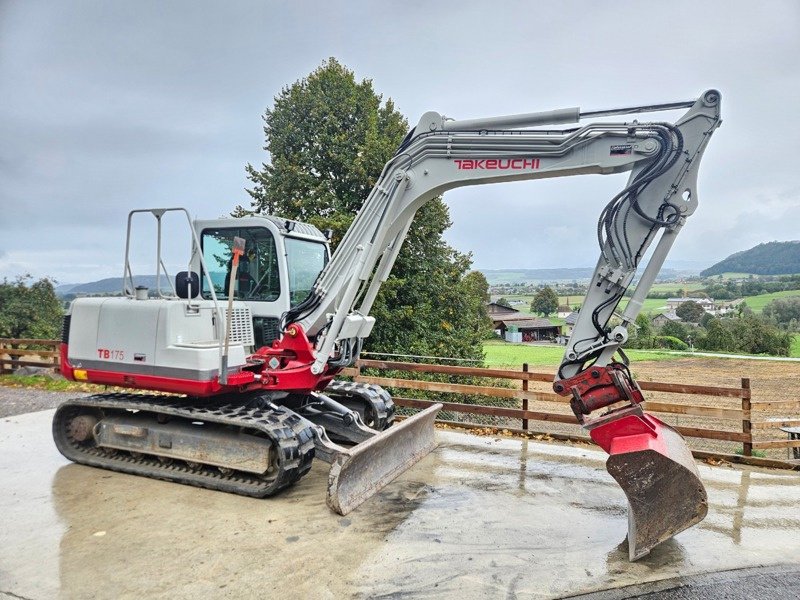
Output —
<point x="292" y="439"/>
<point x="374" y="396"/>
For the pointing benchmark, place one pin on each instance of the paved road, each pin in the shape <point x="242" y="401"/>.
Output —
<point x="770" y="583"/>
<point x="18" y="401"/>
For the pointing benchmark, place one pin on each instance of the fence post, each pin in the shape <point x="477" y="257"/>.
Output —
<point x="747" y="428"/>
<point x="525" y="400"/>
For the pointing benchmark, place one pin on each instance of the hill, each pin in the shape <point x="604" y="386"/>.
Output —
<point x="580" y="274"/>
<point x="771" y="258"/>
<point x="111" y="285"/>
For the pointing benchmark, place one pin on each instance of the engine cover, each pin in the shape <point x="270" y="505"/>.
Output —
<point x="169" y="338"/>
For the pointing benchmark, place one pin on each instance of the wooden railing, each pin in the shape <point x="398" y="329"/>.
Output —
<point x="739" y="412"/>
<point x="15" y="353"/>
<point x="750" y="422"/>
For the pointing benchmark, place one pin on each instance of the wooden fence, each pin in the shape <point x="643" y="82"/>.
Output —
<point x="15" y="353"/>
<point x="739" y="413"/>
<point x="747" y="421"/>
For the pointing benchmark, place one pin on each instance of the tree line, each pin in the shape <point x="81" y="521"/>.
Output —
<point x="743" y="333"/>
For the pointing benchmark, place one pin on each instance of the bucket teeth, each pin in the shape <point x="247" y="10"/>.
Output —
<point x="664" y="490"/>
<point x="360" y="472"/>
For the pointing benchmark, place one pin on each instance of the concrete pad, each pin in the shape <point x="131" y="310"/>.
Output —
<point x="479" y="517"/>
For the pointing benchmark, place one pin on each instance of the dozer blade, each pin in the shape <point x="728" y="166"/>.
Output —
<point x="361" y="471"/>
<point x="654" y="467"/>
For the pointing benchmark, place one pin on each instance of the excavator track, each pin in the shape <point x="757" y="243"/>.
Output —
<point x="290" y="440"/>
<point x="373" y="402"/>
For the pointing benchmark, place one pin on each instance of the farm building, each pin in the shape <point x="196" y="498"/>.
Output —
<point x="663" y="318"/>
<point x="494" y="309"/>
<point x="706" y="303"/>
<point x="530" y="329"/>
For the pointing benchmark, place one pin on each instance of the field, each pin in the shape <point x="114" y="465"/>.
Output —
<point x="757" y="303"/>
<point x="654" y="306"/>
<point x="505" y="354"/>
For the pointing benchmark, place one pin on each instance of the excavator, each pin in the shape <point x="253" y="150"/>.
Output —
<point x="240" y="351"/>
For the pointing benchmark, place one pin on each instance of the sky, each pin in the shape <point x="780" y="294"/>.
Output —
<point x="110" y="106"/>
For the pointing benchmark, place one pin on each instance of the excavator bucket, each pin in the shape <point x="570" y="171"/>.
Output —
<point x="654" y="467"/>
<point x="359" y="472"/>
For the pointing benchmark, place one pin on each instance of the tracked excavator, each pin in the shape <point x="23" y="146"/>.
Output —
<point x="247" y="341"/>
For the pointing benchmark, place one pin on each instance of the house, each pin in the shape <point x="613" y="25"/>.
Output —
<point x="563" y="311"/>
<point x="662" y="318"/>
<point x="526" y="328"/>
<point x="569" y="322"/>
<point x="706" y="303"/>
<point x="495" y="309"/>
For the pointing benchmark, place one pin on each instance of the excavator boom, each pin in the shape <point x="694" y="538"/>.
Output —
<point x="649" y="460"/>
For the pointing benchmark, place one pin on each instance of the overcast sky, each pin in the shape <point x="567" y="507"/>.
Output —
<point x="109" y="106"/>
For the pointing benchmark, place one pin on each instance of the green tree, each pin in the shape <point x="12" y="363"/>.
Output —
<point x="690" y="311"/>
<point x="674" y="329"/>
<point x="784" y="311"/>
<point x="503" y="302"/>
<point x="718" y="337"/>
<point x="29" y="309"/>
<point x="545" y="302"/>
<point x="642" y="333"/>
<point x="328" y="137"/>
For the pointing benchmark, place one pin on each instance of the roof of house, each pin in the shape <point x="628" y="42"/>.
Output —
<point x="671" y="315"/>
<point x="564" y="308"/>
<point x="698" y="300"/>
<point x="571" y="318"/>
<point x="495" y="308"/>
<point x="529" y="323"/>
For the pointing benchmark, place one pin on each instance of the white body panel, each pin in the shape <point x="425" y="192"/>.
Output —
<point x="161" y="337"/>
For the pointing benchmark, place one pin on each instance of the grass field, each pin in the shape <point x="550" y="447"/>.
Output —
<point x="672" y="287"/>
<point x="757" y="303"/>
<point x="505" y="354"/>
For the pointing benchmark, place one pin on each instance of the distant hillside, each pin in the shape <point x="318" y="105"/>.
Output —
<point x="580" y="274"/>
<point x="772" y="258"/>
<point x="112" y="285"/>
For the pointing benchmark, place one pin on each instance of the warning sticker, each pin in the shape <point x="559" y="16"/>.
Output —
<point x="621" y="149"/>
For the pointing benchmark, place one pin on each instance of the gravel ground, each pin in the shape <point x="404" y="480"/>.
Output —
<point x="17" y="401"/>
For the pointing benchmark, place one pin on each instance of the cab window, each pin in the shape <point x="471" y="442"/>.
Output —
<point x="306" y="260"/>
<point x="257" y="277"/>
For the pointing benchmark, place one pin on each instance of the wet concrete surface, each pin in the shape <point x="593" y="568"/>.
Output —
<point x="478" y="518"/>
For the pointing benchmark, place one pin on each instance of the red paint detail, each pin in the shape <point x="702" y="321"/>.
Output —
<point x="631" y="433"/>
<point x="295" y="353"/>
<point x="597" y="387"/>
<point x="64" y="366"/>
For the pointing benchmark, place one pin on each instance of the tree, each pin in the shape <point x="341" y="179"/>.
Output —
<point x="503" y="302"/>
<point x="545" y="302"/>
<point x="690" y="311"/>
<point x="642" y="333"/>
<point x="29" y="309"/>
<point x="328" y="137"/>
<point x="718" y="337"/>
<point x="674" y="329"/>
<point x="784" y="311"/>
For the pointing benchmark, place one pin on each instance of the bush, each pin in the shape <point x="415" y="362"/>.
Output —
<point x="669" y="342"/>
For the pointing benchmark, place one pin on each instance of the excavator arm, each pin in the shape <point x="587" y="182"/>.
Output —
<point x="441" y="154"/>
<point x="649" y="459"/>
